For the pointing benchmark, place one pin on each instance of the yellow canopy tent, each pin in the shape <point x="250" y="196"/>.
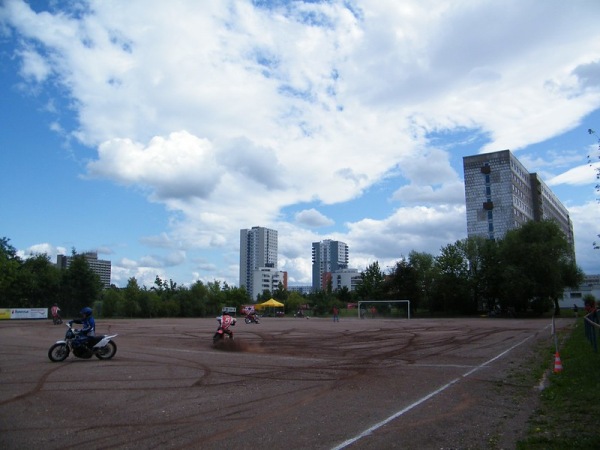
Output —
<point x="270" y="306"/>
<point x="272" y="303"/>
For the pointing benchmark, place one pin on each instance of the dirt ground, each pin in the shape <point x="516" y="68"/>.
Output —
<point x="286" y="384"/>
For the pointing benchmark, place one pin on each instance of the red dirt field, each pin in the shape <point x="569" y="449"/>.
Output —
<point x="286" y="384"/>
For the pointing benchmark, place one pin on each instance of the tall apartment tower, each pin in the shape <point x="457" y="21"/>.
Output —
<point x="100" y="267"/>
<point x="502" y="195"/>
<point x="258" y="249"/>
<point x="327" y="256"/>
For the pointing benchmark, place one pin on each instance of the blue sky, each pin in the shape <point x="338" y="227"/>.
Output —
<point x="152" y="132"/>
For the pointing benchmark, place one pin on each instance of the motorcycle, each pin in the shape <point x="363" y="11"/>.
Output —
<point x="251" y="318"/>
<point x="56" y="320"/>
<point x="100" y="346"/>
<point x="221" y="332"/>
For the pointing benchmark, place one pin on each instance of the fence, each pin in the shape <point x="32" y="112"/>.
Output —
<point x="591" y="325"/>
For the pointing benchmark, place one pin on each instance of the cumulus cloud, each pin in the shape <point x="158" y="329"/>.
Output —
<point x="229" y="112"/>
<point x="313" y="218"/>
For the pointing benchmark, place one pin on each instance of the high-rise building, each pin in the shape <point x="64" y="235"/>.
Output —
<point x="100" y="267"/>
<point x="327" y="256"/>
<point x="502" y="195"/>
<point x="258" y="249"/>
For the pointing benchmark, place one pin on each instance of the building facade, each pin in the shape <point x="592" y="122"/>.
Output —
<point x="345" y="278"/>
<point x="267" y="279"/>
<point x="100" y="267"/>
<point x="590" y="286"/>
<point x="502" y="195"/>
<point x="301" y="289"/>
<point x="258" y="249"/>
<point x="327" y="256"/>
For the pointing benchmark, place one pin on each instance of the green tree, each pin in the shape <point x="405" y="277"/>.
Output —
<point x="38" y="282"/>
<point x="235" y="296"/>
<point x="371" y="286"/>
<point x="424" y="268"/>
<point x="344" y="295"/>
<point x="452" y="286"/>
<point x="539" y="264"/>
<point x="294" y="302"/>
<point x="80" y="286"/>
<point x="216" y="297"/>
<point x="111" y="300"/>
<point x="281" y="293"/>
<point x="401" y="284"/>
<point x="200" y="293"/>
<point x="9" y="268"/>
<point x="130" y="306"/>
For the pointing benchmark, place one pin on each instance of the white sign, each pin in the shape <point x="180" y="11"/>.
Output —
<point x="29" y="313"/>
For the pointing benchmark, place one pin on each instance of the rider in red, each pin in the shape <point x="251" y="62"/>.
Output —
<point x="226" y="321"/>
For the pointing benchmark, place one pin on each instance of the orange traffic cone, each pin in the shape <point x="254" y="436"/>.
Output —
<point x="557" y="363"/>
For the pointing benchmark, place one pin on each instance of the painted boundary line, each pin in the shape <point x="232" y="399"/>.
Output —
<point x="394" y="416"/>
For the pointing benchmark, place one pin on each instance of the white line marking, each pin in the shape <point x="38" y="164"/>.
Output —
<point x="369" y="430"/>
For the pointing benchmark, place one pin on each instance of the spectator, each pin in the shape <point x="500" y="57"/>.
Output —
<point x="336" y="314"/>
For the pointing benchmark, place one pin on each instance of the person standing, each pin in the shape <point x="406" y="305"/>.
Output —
<point x="55" y="312"/>
<point x="336" y="314"/>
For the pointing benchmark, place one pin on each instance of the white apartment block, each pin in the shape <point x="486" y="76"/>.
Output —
<point x="349" y="278"/>
<point x="267" y="279"/>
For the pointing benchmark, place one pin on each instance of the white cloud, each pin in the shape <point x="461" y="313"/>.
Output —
<point x="44" y="248"/>
<point x="313" y="218"/>
<point x="580" y="176"/>
<point x="227" y="113"/>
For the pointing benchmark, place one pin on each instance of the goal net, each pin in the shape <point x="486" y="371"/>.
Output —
<point x="384" y="309"/>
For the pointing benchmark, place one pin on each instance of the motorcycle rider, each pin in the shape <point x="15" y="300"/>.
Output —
<point x="89" y="325"/>
<point x="253" y="316"/>
<point x="225" y="322"/>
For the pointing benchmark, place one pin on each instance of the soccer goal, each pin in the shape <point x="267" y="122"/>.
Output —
<point x="371" y="309"/>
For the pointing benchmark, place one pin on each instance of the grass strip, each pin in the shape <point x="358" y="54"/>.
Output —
<point x="567" y="417"/>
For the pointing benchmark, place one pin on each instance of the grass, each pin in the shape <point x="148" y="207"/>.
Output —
<point x="570" y="406"/>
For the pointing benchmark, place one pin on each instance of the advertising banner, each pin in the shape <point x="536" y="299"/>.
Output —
<point x="29" y="313"/>
<point x="4" y="313"/>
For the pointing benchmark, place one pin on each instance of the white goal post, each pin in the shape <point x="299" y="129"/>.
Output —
<point x="368" y="302"/>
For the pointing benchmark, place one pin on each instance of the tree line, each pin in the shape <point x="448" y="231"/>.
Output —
<point x="527" y="270"/>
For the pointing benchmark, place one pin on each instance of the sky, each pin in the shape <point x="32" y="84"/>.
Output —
<point x="152" y="131"/>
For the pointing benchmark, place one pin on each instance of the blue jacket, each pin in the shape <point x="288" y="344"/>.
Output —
<point x="89" y="326"/>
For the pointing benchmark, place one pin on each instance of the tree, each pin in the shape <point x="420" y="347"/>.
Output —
<point x="371" y="286"/>
<point x="38" y="282"/>
<point x="539" y="264"/>
<point x="402" y="282"/>
<point x="111" y="299"/>
<point x="9" y="267"/>
<point x="80" y="286"/>
<point x="424" y="268"/>
<point x="453" y="284"/>
<point x="280" y="293"/>
<point x="294" y="302"/>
